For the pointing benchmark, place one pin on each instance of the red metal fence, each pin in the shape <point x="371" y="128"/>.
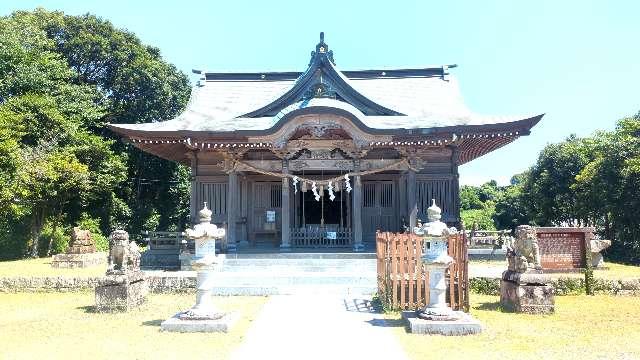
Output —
<point x="403" y="281"/>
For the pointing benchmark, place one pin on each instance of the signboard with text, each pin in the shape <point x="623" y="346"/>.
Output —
<point x="561" y="250"/>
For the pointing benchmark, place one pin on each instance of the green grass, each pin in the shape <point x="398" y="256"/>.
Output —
<point x="63" y="326"/>
<point x="42" y="267"/>
<point x="583" y="327"/>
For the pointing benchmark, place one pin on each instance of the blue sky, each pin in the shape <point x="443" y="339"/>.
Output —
<point x="576" y="61"/>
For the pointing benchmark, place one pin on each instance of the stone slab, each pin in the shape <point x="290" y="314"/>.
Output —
<point x="175" y="324"/>
<point x="72" y="261"/>
<point x="465" y="325"/>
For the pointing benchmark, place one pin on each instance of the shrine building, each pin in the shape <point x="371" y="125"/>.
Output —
<point x="323" y="158"/>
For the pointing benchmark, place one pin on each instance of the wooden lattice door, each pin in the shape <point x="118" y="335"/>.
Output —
<point x="378" y="208"/>
<point x="266" y="197"/>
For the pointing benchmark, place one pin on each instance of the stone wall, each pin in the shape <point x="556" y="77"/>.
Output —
<point x="178" y="284"/>
<point x="157" y="284"/>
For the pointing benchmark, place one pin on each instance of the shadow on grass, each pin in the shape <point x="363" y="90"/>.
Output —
<point x="156" y="322"/>
<point x="90" y="309"/>
<point x="490" y="306"/>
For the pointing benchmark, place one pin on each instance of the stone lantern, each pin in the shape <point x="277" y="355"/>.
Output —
<point x="437" y="261"/>
<point x="203" y="316"/>
<point x="436" y="317"/>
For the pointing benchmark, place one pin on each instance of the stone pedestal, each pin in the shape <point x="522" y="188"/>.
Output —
<point x="526" y="293"/>
<point x="177" y="324"/>
<point x="78" y="260"/>
<point x="464" y="324"/>
<point x="121" y="292"/>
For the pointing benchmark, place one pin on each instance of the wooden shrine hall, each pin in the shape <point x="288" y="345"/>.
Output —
<point x="324" y="157"/>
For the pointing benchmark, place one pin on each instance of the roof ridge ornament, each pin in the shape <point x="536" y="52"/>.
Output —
<point x="322" y="49"/>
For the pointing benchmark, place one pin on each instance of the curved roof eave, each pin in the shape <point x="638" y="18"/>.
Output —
<point x="523" y="126"/>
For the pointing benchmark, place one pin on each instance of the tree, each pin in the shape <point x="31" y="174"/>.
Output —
<point x="54" y="165"/>
<point x="135" y="85"/>
<point x="548" y="190"/>
<point x="62" y="78"/>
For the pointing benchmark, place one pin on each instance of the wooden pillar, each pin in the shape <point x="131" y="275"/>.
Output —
<point x="357" y="209"/>
<point x="232" y="211"/>
<point x="193" y="205"/>
<point x="455" y="186"/>
<point x="285" y="225"/>
<point x="242" y="212"/>
<point x="412" y="199"/>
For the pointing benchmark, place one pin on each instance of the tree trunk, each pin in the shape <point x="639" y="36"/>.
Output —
<point x="36" y="228"/>
<point x="56" y="220"/>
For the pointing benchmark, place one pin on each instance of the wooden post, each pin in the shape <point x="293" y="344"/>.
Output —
<point x="412" y="200"/>
<point x="357" y="210"/>
<point x="193" y="205"/>
<point x="455" y="186"/>
<point x="232" y="213"/>
<point x="285" y="225"/>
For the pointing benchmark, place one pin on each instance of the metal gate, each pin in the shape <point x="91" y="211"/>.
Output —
<point x="378" y="208"/>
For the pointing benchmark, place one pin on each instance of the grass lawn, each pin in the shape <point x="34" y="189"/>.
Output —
<point x="42" y="267"/>
<point x="583" y="327"/>
<point x="62" y="326"/>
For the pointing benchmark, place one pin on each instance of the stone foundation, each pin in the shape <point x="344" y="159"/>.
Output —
<point x="175" y="324"/>
<point x="78" y="260"/>
<point x="526" y="293"/>
<point x="464" y="325"/>
<point x="121" y="292"/>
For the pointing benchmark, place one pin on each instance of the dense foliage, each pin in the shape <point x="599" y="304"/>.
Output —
<point x="62" y="79"/>
<point x="591" y="181"/>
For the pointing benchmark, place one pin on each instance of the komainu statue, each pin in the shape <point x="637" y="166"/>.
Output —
<point x="124" y="256"/>
<point x="523" y="252"/>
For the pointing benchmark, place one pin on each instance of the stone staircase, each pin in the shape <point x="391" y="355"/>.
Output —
<point x="296" y="273"/>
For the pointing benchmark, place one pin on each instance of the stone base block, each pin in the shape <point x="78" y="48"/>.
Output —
<point x="121" y="292"/>
<point x="175" y="324"/>
<point x="465" y="325"/>
<point x="78" y="260"/>
<point x="526" y="298"/>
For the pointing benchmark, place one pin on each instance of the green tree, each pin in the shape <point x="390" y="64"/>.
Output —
<point x="53" y="165"/>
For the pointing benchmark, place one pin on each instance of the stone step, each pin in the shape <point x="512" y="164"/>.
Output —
<point x="300" y="255"/>
<point x="314" y="265"/>
<point x="295" y="290"/>
<point x="276" y="269"/>
<point x="294" y="278"/>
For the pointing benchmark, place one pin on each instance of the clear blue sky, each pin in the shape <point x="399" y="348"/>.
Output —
<point x="576" y="61"/>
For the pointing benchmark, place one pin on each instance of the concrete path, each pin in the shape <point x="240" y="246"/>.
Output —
<point x="319" y="327"/>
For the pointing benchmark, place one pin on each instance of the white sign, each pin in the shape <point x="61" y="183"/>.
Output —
<point x="271" y="216"/>
<point x="331" y="235"/>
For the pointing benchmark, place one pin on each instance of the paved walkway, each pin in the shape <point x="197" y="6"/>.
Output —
<point x="319" y="327"/>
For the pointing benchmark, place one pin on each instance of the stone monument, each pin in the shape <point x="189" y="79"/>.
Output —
<point x="436" y="317"/>
<point x="203" y="316"/>
<point x="523" y="287"/>
<point x="124" y="286"/>
<point x="81" y="252"/>
<point x="596" y="246"/>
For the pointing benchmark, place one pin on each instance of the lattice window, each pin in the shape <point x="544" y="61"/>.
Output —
<point x="438" y="189"/>
<point x="369" y="194"/>
<point x="215" y="194"/>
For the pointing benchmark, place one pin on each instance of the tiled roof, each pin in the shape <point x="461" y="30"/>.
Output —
<point x="428" y="102"/>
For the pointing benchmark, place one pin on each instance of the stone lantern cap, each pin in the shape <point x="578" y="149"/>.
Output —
<point x="204" y="215"/>
<point x="434" y="213"/>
